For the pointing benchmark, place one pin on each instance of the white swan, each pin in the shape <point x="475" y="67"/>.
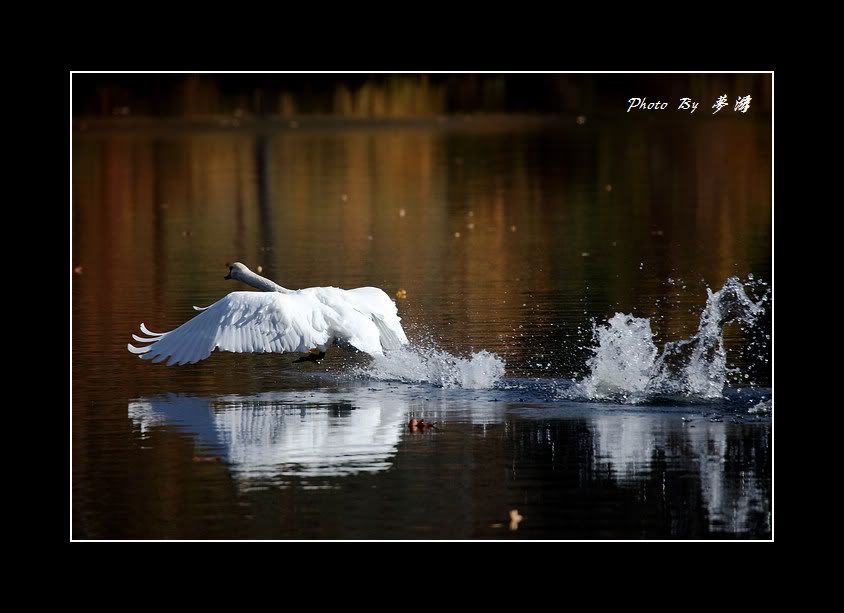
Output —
<point x="280" y="320"/>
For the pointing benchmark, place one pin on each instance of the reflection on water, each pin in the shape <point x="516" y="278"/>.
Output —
<point x="556" y="225"/>
<point x="573" y="470"/>
<point x="507" y="238"/>
<point x="301" y="433"/>
<point x="711" y="451"/>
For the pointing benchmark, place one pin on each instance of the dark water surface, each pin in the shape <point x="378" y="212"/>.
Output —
<point x="507" y="237"/>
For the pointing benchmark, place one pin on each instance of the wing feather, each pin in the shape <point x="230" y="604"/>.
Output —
<point x="141" y="339"/>
<point x="382" y="310"/>
<point x="148" y="332"/>
<point x="242" y="322"/>
<point x="365" y="318"/>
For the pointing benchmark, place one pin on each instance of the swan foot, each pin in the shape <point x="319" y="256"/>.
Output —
<point x="314" y="355"/>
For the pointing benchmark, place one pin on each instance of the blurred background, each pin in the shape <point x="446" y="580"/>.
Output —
<point x="400" y="95"/>
<point x="514" y="211"/>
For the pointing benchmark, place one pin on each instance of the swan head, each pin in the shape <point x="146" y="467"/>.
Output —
<point x="236" y="271"/>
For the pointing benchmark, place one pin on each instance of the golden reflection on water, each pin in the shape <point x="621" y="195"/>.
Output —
<point x="486" y="230"/>
<point x="557" y="224"/>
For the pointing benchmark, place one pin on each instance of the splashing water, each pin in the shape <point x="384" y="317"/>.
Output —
<point x="627" y="366"/>
<point x="624" y="360"/>
<point x="766" y="406"/>
<point x="481" y="370"/>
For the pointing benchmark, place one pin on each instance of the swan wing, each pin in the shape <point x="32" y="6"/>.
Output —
<point x="364" y="318"/>
<point x="383" y="312"/>
<point x="258" y="322"/>
<point x="352" y="327"/>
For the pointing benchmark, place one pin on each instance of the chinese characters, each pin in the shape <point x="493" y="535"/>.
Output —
<point x="742" y="104"/>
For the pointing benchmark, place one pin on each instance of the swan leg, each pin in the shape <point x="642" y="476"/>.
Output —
<point x="314" y="355"/>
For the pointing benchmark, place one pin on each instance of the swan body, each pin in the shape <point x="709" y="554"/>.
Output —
<point x="279" y="320"/>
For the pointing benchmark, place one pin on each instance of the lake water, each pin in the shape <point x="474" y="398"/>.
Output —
<point x="512" y="237"/>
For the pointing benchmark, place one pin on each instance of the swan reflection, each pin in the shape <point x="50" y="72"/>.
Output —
<point x="651" y="462"/>
<point x="286" y="433"/>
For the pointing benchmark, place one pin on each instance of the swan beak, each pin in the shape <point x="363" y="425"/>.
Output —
<point x="227" y="277"/>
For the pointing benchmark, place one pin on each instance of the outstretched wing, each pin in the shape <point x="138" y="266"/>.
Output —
<point x="258" y="322"/>
<point x="379" y="307"/>
<point x="365" y="318"/>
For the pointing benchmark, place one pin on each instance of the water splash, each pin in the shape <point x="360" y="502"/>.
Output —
<point x="627" y="366"/>
<point x="481" y="370"/>
<point x="764" y="407"/>
<point x="623" y="363"/>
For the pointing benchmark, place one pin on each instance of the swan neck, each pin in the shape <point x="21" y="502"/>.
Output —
<point x="262" y="283"/>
